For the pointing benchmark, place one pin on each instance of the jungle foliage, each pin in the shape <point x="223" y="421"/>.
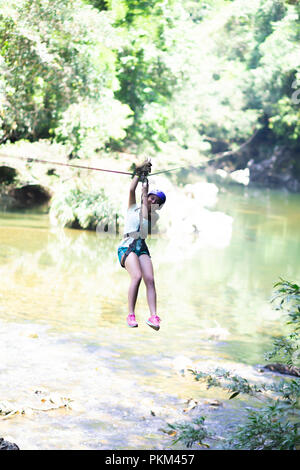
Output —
<point x="78" y="206"/>
<point x="274" y="423"/>
<point x="134" y="74"/>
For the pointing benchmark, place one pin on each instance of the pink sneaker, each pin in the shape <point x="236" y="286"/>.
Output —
<point x="131" y="321"/>
<point x="154" y="322"/>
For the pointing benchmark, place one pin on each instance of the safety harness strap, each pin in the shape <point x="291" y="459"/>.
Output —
<point x="127" y="252"/>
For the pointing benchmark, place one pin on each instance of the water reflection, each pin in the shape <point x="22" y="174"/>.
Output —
<point x="71" y="279"/>
<point x="63" y="300"/>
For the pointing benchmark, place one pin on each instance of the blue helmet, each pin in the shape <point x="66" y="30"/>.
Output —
<point x="159" y="194"/>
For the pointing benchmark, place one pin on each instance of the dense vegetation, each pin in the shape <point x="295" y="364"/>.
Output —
<point x="134" y="74"/>
<point x="179" y="80"/>
<point x="273" y="422"/>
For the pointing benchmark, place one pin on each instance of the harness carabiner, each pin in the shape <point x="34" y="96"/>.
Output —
<point x="143" y="176"/>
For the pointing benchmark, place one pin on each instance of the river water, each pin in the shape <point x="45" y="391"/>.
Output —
<point x="76" y="377"/>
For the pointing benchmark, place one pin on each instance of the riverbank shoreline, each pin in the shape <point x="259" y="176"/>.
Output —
<point x="34" y="402"/>
<point x="260" y="163"/>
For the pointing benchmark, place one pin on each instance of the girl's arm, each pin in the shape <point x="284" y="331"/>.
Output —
<point x="133" y="185"/>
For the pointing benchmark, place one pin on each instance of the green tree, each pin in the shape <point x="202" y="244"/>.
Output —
<point x="275" y="425"/>
<point x="55" y="55"/>
<point x="147" y="81"/>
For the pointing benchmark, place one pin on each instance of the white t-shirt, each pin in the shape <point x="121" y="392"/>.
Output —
<point x="132" y="223"/>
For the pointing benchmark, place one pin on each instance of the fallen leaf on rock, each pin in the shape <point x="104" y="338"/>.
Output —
<point x="6" y="411"/>
<point x="48" y="403"/>
<point x="169" y="432"/>
<point x="213" y="403"/>
<point x="191" y="405"/>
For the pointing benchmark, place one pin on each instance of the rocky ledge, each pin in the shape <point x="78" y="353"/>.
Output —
<point x="260" y="162"/>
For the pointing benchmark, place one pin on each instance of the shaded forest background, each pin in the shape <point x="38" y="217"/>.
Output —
<point x="186" y="80"/>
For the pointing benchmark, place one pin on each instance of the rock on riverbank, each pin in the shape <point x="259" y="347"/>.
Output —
<point x="260" y="161"/>
<point x="5" y="445"/>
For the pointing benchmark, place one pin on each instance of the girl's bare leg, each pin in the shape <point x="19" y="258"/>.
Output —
<point x="148" y="276"/>
<point x="132" y="265"/>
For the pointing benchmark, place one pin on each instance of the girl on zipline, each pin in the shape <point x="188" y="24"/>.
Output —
<point x="133" y="252"/>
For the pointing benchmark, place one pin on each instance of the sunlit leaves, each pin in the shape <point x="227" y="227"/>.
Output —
<point x="79" y="207"/>
<point x="86" y="126"/>
<point x="147" y="81"/>
<point x="55" y="55"/>
<point x="187" y="70"/>
<point x="189" y="433"/>
<point x="266" y="429"/>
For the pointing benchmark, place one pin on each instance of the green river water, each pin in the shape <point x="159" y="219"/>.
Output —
<point x="63" y="304"/>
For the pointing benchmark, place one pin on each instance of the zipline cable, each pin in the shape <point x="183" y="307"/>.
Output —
<point x="166" y="171"/>
<point x="38" y="160"/>
<point x="83" y="167"/>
